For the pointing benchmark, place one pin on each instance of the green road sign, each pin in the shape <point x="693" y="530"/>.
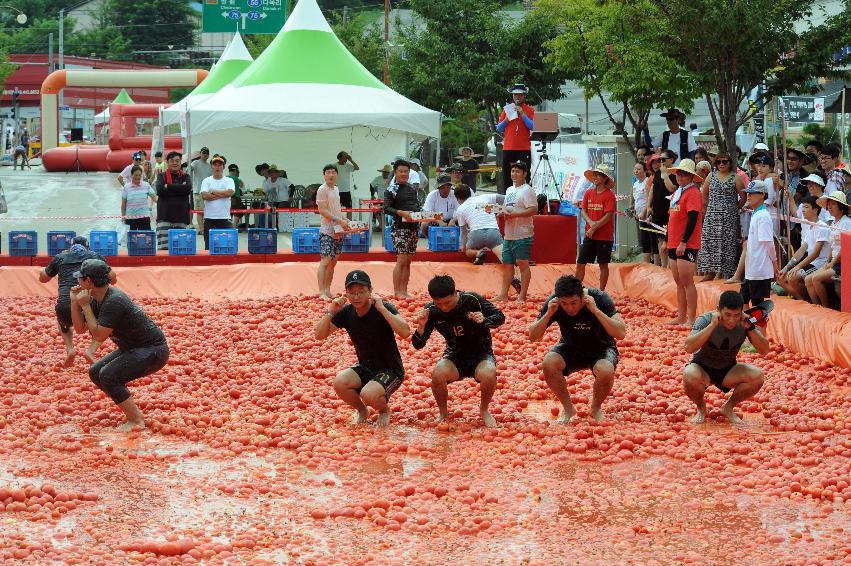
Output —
<point x="244" y="16"/>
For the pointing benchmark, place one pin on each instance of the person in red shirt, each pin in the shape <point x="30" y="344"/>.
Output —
<point x="598" y="211"/>
<point x="517" y="132"/>
<point x="684" y="223"/>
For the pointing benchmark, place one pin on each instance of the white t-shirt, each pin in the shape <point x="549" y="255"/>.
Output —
<point x="436" y="203"/>
<point x="218" y="209"/>
<point x="520" y="198"/>
<point x="476" y="218"/>
<point x="640" y="195"/>
<point x="330" y="199"/>
<point x="674" y="144"/>
<point x="277" y="191"/>
<point x="839" y="226"/>
<point x="812" y="235"/>
<point x="344" y="176"/>
<point x="823" y="216"/>
<point x="758" y="262"/>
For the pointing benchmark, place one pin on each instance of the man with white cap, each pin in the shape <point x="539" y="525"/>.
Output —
<point x="516" y="123"/>
<point x="675" y="138"/>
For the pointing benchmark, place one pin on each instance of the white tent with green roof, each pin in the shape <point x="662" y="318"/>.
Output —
<point x="234" y="60"/>
<point x="302" y="101"/>
<point x="121" y="98"/>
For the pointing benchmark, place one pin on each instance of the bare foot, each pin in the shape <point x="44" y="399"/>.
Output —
<point x="490" y="422"/>
<point x="402" y="295"/>
<point x="730" y="415"/>
<point x="500" y="298"/>
<point x="520" y="300"/>
<point x="676" y="322"/>
<point x="69" y="358"/>
<point x="689" y="323"/>
<point x="360" y="418"/>
<point x="383" y="417"/>
<point x="90" y="357"/>
<point x="566" y="415"/>
<point x="699" y="416"/>
<point x="598" y="414"/>
<point x="325" y="296"/>
<point x="130" y="426"/>
<point x="441" y="417"/>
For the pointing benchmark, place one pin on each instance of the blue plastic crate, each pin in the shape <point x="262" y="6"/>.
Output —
<point x="388" y="241"/>
<point x="104" y="242"/>
<point x="224" y="241"/>
<point x="262" y="241"/>
<point x="357" y="242"/>
<point x="141" y="242"/>
<point x="306" y="240"/>
<point x="444" y="238"/>
<point x="23" y="242"/>
<point x="566" y="208"/>
<point x="181" y="241"/>
<point x="58" y="241"/>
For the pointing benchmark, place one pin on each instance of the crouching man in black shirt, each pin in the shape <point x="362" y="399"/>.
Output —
<point x="589" y="324"/>
<point x="107" y="312"/>
<point x="465" y="320"/>
<point x="371" y="324"/>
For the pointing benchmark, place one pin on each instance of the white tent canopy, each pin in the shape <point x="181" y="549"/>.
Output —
<point x="303" y="100"/>
<point x="234" y="60"/>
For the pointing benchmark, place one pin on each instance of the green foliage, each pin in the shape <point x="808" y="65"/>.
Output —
<point x="467" y="51"/>
<point x="363" y="40"/>
<point x="465" y="129"/>
<point x="153" y="25"/>
<point x="612" y="49"/>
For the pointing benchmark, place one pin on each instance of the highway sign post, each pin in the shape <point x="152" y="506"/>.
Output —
<point x="244" y="16"/>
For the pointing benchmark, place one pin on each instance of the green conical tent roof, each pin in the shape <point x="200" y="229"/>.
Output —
<point x="123" y="98"/>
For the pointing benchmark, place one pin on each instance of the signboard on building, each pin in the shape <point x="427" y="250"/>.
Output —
<point x="804" y="109"/>
<point x="244" y="16"/>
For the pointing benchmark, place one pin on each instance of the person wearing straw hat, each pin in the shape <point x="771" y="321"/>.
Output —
<point x="470" y="166"/>
<point x="516" y="122"/>
<point x="761" y="261"/>
<point x="837" y="204"/>
<point x="598" y="210"/>
<point x="684" y="231"/>
<point x="380" y="182"/>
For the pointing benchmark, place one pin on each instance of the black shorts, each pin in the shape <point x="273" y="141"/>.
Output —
<point x="574" y="361"/>
<point x="346" y="200"/>
<point x="390" y="380"/>
<point x="593" y="250"/>
<point x="647" y="240"/>
<point x="689" y="255"/>
<point x="63" y="316"/>
<point x="466" y="365"/>
<point x="716" y="376"/>
<point x="755" y="292"/>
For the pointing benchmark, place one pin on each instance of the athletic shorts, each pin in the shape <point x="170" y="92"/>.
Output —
<point x="346" y="200"/>
<point x="689" y="255"/>
<point x="592" y="250"/>
<point x="330" y="246"/>
<point x="63" y="316"/>
<point x="517" y="250"/>
<point x="404" y="240"/>
<point x="466" y="365"/>
<point x="574" y="361"/>
<point x="716" y="376"/>
<point x="484" y="238"/>
<point x="755" y="292"/>
<point x="809" y="270"/>
<point x="390" y="380"/>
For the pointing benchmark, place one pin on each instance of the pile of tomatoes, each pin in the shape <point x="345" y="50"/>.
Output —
<point x="249" y="456"/>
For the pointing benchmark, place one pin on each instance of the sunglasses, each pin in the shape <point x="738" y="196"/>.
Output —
<point x="722" y="161"/>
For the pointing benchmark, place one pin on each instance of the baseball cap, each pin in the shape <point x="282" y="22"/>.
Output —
<point x="137" y="155"/>
<point x="756" y="187"/>
<point x="218" y="157"/>
<point x="205" y="150"/>
<point x="358" y="277"/>
<point x="760" y="147"/>
<point x="93" y="268"/>
<point x="455" y="167"/>
<point x="443" y="179"/>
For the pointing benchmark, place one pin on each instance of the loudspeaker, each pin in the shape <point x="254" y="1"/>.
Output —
<point x="76" y="134"/>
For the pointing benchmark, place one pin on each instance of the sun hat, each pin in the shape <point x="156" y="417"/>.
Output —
<point x="518" y="88"/>
<point x="673" y="113"/>
<point x="603" y="169"/>
<point x="704" y="165"/>
<point x="817" y="179"/>
<point x="386" y="169"/>
<point x="455" y="168"/>
<point x="466" y="147"/>
<point x="687" y="166"/>
<point x="836" y="196"/>
<point x="274" y="167"/>
<point x="443" y="179"/>
<point x="800" y="152"/>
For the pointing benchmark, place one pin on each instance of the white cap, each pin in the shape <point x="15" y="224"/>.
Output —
<point x="815" y="179"/>
<point x="761" y="146"/>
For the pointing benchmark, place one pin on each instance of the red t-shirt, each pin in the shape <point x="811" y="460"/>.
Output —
<point x="690" y="199"/>
<point x="596" y="205"/>
<point x="517" y="135"/>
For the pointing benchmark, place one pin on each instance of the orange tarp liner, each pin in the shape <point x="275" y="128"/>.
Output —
<point x="801" y="327"/>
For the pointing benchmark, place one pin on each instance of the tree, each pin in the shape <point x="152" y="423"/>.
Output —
<point x="731" y="46"/>
<point x="467" y="50"/>
<point x="155" y="25"/>
<point x="363" y="40"/>
<point x="612" y="50"/>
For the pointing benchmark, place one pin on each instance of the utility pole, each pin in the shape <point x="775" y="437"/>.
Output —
<point x="345" y="15"/>
<point x="61" y="64"/>
<point x="50" y="66"/>
<point x="386" y="41"/>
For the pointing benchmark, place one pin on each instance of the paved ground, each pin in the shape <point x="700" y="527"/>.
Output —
<point x="36" y="198"/>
